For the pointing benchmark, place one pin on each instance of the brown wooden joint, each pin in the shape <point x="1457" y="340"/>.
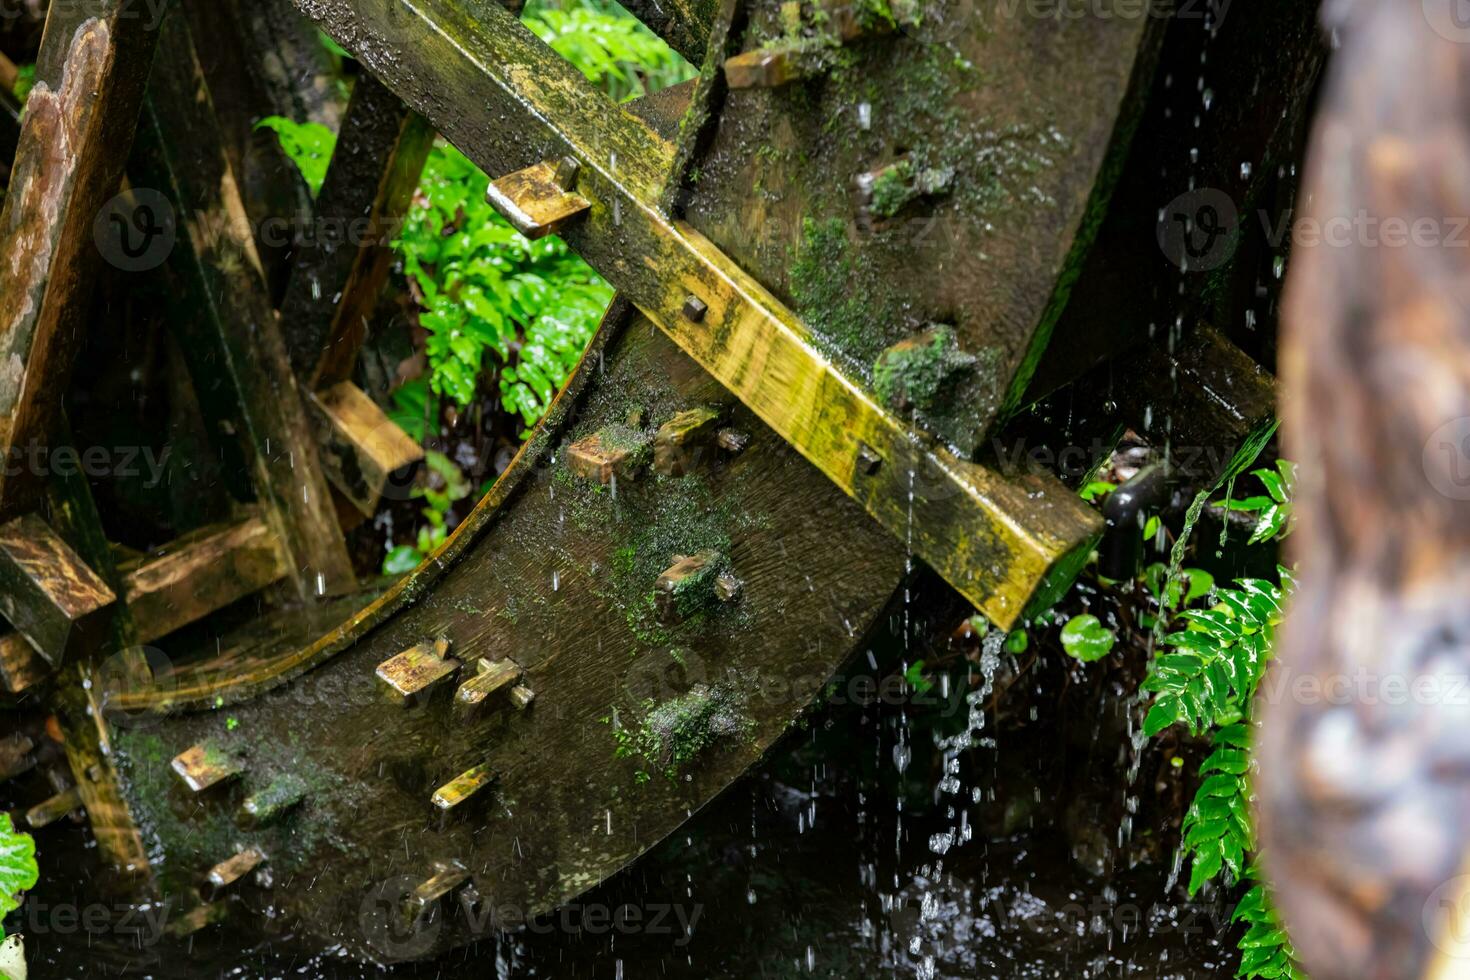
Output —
<point x="205" y="765"/>
<point x="683" y="439"/>
<point x="47" y="592"/>
<point x="232" y="869"/>
<point x="612" y="452"/>
<point x="363" y="452"/>
<point x="417" y="671"/>
<point x="687" y="585"/>
<point x="465" y="785"/>
<point x="767" y="68"/>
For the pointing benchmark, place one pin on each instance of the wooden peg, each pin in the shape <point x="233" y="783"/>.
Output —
<point x="53" y="809"/>
<point x="766" y="68"/>
<point x="417" y="670"/>
<point x="686" y="585"/>
<point x="682" y="439"/>
<point x="521" y="696"/>
<point x="489" y="678"/>
<point x="46" y="591"/>
<point x="232" y="869"/>
<point x="428" y="894"/>
<point x="266" y="806"/>
<point x="204" y="765"/>
<point x="197" y="918"/>
<point x="534" y="201"/>
<point x="615" y="451"/>
<point x="464" y="786"/>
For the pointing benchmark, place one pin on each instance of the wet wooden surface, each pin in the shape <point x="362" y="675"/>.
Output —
<point x="232" y="340"/>
<point x="1365" y="741"/>
<point x="73" y="145"/>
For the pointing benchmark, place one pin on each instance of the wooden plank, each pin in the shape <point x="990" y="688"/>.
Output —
<point x="462" y="787"/>
<point x="339" y="269"/>
<point x="362" y="450"/>
<point x="205" y="765"/>
<point x="276" y="66"/>
<point x="233" y="868"/>
<point x="417" y="670"/>
<point x="47" y="592"/>
<point x="1004" y="544"/>
<point x="52" y="809"/>
<point x="201" y="572"/>
<point x="231" y="338"/>
<point x="74" y="139"/>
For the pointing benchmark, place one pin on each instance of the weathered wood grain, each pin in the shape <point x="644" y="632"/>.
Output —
<point x="48" y="593"/>
<point x="203" y="571"/>
<point x="73" y="145"/>
<point x="232" y="340"/>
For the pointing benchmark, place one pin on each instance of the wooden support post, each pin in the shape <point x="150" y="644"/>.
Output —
<point x="362" y="450"/>
<point x="74" y="142"/>
<point x="231" y="337"/>
<point x="340" y="267"/>
<point x="1004" y="543"/>
<point x="47" y="592"/>
<point x="199" y="573"/>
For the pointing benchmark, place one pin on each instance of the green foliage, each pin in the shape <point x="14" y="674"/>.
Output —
<point x="1265" y="949"/>
<point x="915" y="678"/>
<point x="1273" y="509"/>
<point x="1086" y="639"/>
<point x="1207" y="673"/>
<point x="309" y="145"/>
<point x="18" y="871"/>
<point x="1205" y="676"/>
<point x="446" y="487"/>
<point x="615" y="51"/>
<point x="25" y="80"/>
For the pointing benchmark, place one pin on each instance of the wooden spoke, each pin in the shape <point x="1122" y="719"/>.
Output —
<point x="73" y="143"/>
<point x="231" y="337"/>
<point x="205" y="570"/>
<point x="1002" y="543"/>
<point x="341" y="266"/>
<point x="362" y="450"/>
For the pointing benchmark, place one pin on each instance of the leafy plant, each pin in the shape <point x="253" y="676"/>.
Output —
<point x="308" y="144"/>
<point x="1273" y="509"/>
<point x="1205" y="677"/>
<point x="1086" y="639"/>
<point x="614" y="50"/>
<point x="18" y="871"/>
<point x="446" y="487"/>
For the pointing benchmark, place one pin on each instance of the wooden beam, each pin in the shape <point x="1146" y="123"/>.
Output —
<point x="1005" y="544"/>
<point x="362" y="450"/>
<point x="73" y="144"/>
<point x="339" y="269"/>
<point x="231" y="338"/>
<point x="47" y="592"/>
<point x="201" y="572"/>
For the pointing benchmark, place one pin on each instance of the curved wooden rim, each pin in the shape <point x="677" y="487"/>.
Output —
<point x="210" y="685"/>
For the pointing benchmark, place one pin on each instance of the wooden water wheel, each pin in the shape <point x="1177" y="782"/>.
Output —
<point x="857" y="244"/>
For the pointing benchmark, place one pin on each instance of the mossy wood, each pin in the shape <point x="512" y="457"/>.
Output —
<point x="999" y="542"/>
